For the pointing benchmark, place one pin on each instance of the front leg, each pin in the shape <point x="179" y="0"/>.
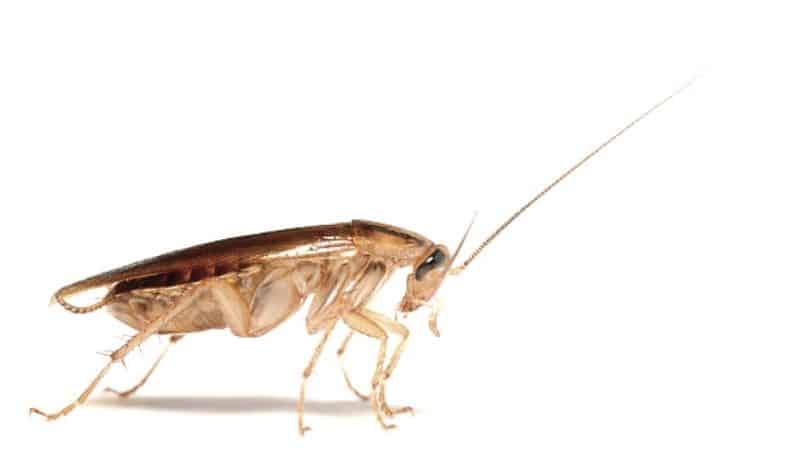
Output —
<point x="399" y="329"/>
<point x="364" y="324"/>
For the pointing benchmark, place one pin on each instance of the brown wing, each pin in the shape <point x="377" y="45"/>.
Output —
<point x="214" y="258"/>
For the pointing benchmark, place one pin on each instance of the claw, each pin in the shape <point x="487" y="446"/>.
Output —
<point x="48" y="416"/>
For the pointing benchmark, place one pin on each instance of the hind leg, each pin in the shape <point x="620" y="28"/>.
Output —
<point x="235" y="312"/>
<point x="180" y="304"/>
<point x="81" y="399"/>
<point x="127" y="393"/>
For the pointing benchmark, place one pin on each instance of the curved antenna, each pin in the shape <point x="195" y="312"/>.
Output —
<point x="564" y="175"/>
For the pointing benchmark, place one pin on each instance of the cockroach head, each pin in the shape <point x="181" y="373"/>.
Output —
<point x="426" y="277"/>
<point x="429" y="272"/>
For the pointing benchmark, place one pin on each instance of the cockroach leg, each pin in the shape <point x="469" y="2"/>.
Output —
<point x="306" y="374"/>
<point x="395" y="328"/>
<point x="235" y="309"/>
<point x="340" y="354"/>
<point x="391" y="411"/>
<point x="399" y="329"/>
<point x="79" y="401"/>
<point x="182" y="302"/>
<point x="127" y="393"/>
<point x="365" y="325"/>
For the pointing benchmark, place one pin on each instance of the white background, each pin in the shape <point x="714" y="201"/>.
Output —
<point x="646" y="311"/>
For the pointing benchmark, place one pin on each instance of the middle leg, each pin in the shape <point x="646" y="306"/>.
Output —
<point x="340" y="353"/>
<point x="306" y="374"/>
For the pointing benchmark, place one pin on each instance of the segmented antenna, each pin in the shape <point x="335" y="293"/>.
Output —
<point x="564" y="175"/>
<point x="461" y="243"/>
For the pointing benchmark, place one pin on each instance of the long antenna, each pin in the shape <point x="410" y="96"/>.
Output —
<point x="563" y="176"/>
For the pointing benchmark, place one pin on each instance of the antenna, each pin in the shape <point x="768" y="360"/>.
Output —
<point x="564" y="175"/>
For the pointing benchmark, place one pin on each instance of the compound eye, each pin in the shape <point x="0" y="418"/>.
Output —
<point x="434" y="260"/>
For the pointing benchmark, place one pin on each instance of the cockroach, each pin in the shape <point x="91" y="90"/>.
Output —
<point x="251" y="284"/>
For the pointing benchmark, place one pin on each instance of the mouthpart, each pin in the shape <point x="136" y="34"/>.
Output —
<point x="408" y="304"/>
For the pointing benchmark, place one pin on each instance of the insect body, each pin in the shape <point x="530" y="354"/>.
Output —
<point x="252" y="290"/>
<point x="251" y="284"/>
